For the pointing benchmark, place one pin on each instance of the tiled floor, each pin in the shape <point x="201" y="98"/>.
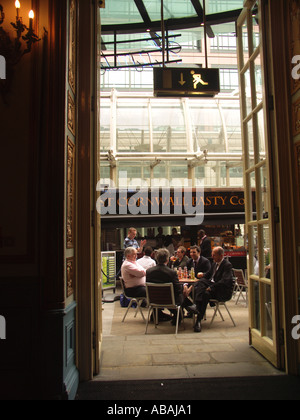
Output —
<point x="221" y="351"/>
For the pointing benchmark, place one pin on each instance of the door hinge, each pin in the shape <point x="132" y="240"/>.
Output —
<point x="271" y="103"/>
<point x="94" y="340"/>
<point x="276" y="215"/>
<point x="281" y="337"/>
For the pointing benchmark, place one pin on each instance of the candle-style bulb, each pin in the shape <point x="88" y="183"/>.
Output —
<point x="31" y="16"/>
<point x="18" y="6"/>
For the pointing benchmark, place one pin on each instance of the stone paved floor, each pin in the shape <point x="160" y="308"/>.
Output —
<point x="221" y="351"/>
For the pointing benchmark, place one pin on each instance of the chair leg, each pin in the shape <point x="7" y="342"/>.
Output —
<point x="148" y="318"/>
<point x="221" y="314"/>
<point x="182" y="316"/>
<point x="177" y="320"/>
<point x="229" y="314"/>
<point x="215" y="313"/>
<point x="129" y="306"/>
<point x="140" y="309"/>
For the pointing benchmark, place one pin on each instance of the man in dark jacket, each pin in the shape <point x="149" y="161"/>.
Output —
<point x="163" y="274"/>
<point x="198" y="262"/>
<point x="215" y="284"/>
<point x="205" y="244"/>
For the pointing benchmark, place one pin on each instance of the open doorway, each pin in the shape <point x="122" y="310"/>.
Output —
<point x="169" y="140"/>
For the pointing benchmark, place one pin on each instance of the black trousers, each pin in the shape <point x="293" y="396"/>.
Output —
<point x="139" y="291"/>
<point x="202" y="296"/>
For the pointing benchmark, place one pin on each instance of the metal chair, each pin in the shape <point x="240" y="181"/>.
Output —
<point x="160" y="296"/>
<point x="137" y="300"/>
<point x="241" y="285"/>
<point x="217" y="309"/>
<point x="219" y="303"/>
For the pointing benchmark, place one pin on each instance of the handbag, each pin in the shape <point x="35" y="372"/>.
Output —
<point x="124" y="302"/>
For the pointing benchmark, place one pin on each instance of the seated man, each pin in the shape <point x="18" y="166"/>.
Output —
<point x="199" y="263"/>
<point x="133" y="274"/>
<point x="181" y="260"/>
<point x="146" y="261"/>
<point x="215" y="284"/>
<point x="163" y="274"/>
<point x="201" y="266"/>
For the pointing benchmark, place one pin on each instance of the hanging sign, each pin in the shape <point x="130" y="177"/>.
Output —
<point x="186" y="82"/>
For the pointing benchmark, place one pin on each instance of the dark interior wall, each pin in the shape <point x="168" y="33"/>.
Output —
<point x="32" y="211"/>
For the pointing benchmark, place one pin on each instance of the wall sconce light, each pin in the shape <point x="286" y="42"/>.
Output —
<point x="14" y="49"/>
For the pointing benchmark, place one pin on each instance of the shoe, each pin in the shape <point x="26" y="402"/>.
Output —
<point x="197" y="327"/>
<point x="162" y="317"/>
<point x="192" y="309"/>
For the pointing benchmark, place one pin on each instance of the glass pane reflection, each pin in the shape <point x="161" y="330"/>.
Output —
<point x="256" y="306"/>
<point x="268" y="323"/>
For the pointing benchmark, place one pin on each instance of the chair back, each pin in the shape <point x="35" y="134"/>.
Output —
<point x="123" y="286"/>
<point x="160" y="294"/>
<point x="239" y="275"/>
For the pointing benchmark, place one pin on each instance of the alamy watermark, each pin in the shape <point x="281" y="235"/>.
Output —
<point x="138" y="197"/>
<point x="296" y="329"/>
<point x="2" y="328"/>
<point x="2" y="67"/>
<point x="296" y="69"/>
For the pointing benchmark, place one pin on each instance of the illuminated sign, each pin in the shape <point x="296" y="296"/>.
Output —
<point x="186" y="82"/>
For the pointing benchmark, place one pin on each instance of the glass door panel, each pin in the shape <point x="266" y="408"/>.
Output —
<point x="256" y="174"/>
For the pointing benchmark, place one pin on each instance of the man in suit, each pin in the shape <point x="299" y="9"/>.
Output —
<point x="163" y="274"/>
<point x="201" y="266"/>
<point x="205" y="244"/>
<point x="215" y="284"/>
<point x="198" y="262"/>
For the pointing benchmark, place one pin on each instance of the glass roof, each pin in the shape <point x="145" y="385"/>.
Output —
<point x="139" y="14"/>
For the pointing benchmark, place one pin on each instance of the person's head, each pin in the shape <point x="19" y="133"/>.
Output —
<point x="201" y="233"/>
<point x="160" y="230"/>
<point x="181" y="251"/>
<point x="168" y="240"/>
<point x="148" y="251"/>
<point x="130" y="254"/>
<point x="162" y="256"/>
<point x="174" y="231"/>
<point x="195" y="252"/>
<point x="218" y="254"/>
<point x="132" y="233"/>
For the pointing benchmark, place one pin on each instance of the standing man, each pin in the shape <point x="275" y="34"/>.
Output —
<point x="130" y="241"/>
<point x="205" y="244"/>
<point x="215" y="284"/>
<point x="146" y="261"/>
